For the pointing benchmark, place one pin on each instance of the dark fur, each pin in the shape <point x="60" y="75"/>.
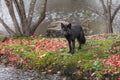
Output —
<point x="71" y="32"/>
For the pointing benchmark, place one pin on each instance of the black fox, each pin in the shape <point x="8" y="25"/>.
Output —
<point x="71" y="32"/>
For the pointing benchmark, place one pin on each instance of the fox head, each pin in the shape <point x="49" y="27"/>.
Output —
<point x="66" y="29"/>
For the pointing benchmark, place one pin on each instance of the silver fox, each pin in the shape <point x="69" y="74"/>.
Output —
<point x="72" y="32"/>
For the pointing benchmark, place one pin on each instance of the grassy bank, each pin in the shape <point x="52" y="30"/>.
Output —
<point x="50" y="55"/>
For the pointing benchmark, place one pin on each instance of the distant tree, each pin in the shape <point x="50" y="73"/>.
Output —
<point x="107" y="13"/>
<point x="26" y="26"/>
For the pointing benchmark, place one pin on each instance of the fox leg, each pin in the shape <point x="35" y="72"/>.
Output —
<point x="78" y="39"/>
<point x="70" y="47"/>
<point x="73" y="46"/>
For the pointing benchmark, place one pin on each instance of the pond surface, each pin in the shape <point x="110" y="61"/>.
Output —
<point x="10" y="73"/>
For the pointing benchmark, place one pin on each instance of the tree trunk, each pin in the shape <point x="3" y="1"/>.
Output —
<point x="107" y="14"/>
<point x="108" y="17"/>
<point x="109" y="28"/>
<point x="25" y="27"/>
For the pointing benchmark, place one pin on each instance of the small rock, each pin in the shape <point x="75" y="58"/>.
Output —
<point x="43" y="73"/>
<point x="59" y="72"/>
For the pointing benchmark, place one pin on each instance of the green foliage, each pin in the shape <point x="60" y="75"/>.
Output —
<point x="97" y="65"/>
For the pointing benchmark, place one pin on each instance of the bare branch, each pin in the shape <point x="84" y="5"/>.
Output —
<point x="104" y="7"/>
<point x="19" y="4"/>
<point x="31" y="11"/>
<point x="115" y="12"/>
<point x="24" y="18"/>
<point x="41" y="18"/>
<point x="20" y="13"/>
<point x="10" y="31"/>
<point x="12" y="14"/>
<point x="30" y="15"/>
<point x="23" y="10"/>
<point x="17" y="7"/>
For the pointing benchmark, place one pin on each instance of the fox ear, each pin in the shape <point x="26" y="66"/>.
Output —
<point x="69" y="25"/>
<point x="62" y="25"/>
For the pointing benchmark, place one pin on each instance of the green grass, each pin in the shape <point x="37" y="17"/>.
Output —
<point x="60" y="59"/>
<point x="81" y="58"/>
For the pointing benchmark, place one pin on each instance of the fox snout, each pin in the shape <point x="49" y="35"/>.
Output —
<point x="64" y="33"/>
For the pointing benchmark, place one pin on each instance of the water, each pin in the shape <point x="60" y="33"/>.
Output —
<point x="10" y="73"/>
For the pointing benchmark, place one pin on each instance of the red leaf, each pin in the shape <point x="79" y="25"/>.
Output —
<point x="13" y="57"/>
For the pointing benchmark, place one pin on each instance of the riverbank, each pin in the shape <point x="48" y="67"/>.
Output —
<point x="11" y="73"/>
<point x="49" y="56"/>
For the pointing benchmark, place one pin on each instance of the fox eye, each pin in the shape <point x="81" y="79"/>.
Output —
<point x="69" y="25"/>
